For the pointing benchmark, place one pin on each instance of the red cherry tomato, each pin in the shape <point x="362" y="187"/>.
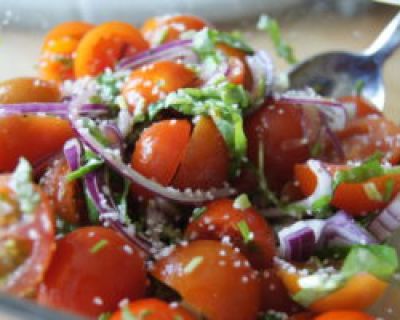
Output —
<point x="222" y="219"/>
<point x="153" y="309"/>
<point x="27" y="242"/>
<point x="164" y="29"/>
<point x="154" y="81"/>
<point x="206" y="160"/>
<point x="93" y="269"/>
<point x="213" y="278"/>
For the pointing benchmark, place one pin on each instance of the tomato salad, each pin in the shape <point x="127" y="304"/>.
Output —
<point x="166" y="173"/>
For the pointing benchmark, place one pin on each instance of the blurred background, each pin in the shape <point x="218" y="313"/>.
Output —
<point x="310" y="26"/>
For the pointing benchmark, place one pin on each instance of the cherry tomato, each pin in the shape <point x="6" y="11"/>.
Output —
<point x="365" y="136"/>
<point x="40" y="137"/>
<point x="154" y="81"/>
<point x="103" y="46"/>
<point x="21" y="90"/>
<point x="344" y="315"/>
<point x="160" y="149"/>
<point x="57" y="56"/>
<point x="213" y="278"/>
<point x="351" y="197"/>
<point x="93" y="269"/>
<point x="358" y="293"/>
<point x="27" y="241"/>
<point x="154" y="309"/>
<point x="66" y="197"/>
<point x="280" y="130"/>
<point x="222" y="219"/>
<point x="164" y="29"/>
<point x="363" y="107"/>
<point x="206" y="160"/>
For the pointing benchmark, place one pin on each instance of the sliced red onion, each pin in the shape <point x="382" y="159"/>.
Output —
<point x="60" y="109"/>
<point x="73" y="153"/>
<point x="388" y="221"/>
<point x="342" y="230"/>
<point x="174" y="50"/>
<point x="114" y="136"/>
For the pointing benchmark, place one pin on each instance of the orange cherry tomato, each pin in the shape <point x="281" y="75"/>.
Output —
<point x="154" y="81"/>
<point x="222" y="219"/>
<point x="154" y="309"/>
<point x="350" y="197"/>
<point x="21" y="90"/>
<point x="66" y="197"/>
<point x="213" y="278"/>
<point x="280" y="130"/>
<point x="363" y="107"/>
<point x="206" y="160"/>
<point x="164" y="29"/>
<point x="344" y="315"/>
<point x="93" y="269"/>
<point x="358" y="293"/>
<point x="59" y="46"/>
<point x="32" y="137"/>
<point x="365" y="136"/>
<point x="27" y="242"/>
<point x="103" y="46"/>
<point x="160" y="149"/>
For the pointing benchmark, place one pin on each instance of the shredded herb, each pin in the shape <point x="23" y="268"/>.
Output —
<point x="93" y="213"/>
<point x="98" y="246"/>
<point x="126" y="314"/>
<point x="245" y="231"/>
<point x="109" y="84"/>
<point x="93" y="162"/>
<point x="271" y="27"/>
<point x="193" y="264"/>
<point x="358" y="87"/>
<point x="94" y="131"/>
<point x="242" y="202"/>
<point x="372" y="191"/>
<point x="198" y="212"/>
<point x="161" y="37"/>
<point x="22" y="185"/>
<point x="105" y="316"/>
<point x="389" y="188"/>
<point x="321" y="207"/>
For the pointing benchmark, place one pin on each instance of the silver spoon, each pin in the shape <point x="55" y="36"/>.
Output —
<point x="336" y="74"/>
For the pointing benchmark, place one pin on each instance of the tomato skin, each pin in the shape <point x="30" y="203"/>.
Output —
<point x="104" y="45"/>
<point x="280" y="129"/>
<point x="344" y="315"/>
<point x="221" y="219"/>
<point x="169" y="27"/>
<point x="154" y="81"/>
<point x="206" y="160"/>
<point x="220" y="285"/>
<point x="40" y="137"/>
<point x="363" y="107"/>
<point x="155" y="310"/>
<point x="160" y="149"/>
<point x="26" y="89"/>
<point x="89" y="283"/>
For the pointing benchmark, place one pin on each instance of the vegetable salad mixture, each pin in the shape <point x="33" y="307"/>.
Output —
<point x="167" y="173"/>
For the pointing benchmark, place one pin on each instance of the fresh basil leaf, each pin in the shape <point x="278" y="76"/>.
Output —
<point x="271" y="27"/>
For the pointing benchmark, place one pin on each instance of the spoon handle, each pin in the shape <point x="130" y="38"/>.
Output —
<point x="387" y="41"/>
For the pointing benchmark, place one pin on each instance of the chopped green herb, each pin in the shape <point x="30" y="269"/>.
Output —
<point x="98" y="246"/>
<point x="93" y="213"/>
<point x="193" y="264"/>
<point x="161" y="37"/>
<point x="109" y="84"/>
<point x="197" y="212"/>
<point x="271" y="27"/>
<point x="372" y="191"/>
<point x="94" y="130"/>
<point x="389" y="187"/>
<point x="242" y="202"/>
<point x="91" y="165"/>
<point x="321" y="206"/>
<point x="21" y="183"/>
<point x="127" y="314"/>
<point x="245" y="231"/>
<point x="358" y="87"/>
<point x="105" y="316"/>
<point x="316" y="149"/>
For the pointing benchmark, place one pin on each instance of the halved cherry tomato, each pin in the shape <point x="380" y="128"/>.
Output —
<point x="66" y="197"/>
<point x="206" y="160"/>
<point x="363" y="107"/>
<point x="344" y="315"/>
<point x="154" y="309"/>
<point x="93" y="269"/>
<point x="164" y="29"/>
<point x="27" y="241"/>
<point x="222" y="219"/>
<point x="21" y="90"/>
<point x="32" y="137"/>
<point x="160" y="149"/>
<point x="358" y="293"/>
<point x="213" y="278"/>
<point x="280" y="130"/>
<point x="351" y="197"/>
<point x="57" y="56"/>
<point x="365" y="136"/>
<point x="154" y="81"/>
<point x="103" y="46"/>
